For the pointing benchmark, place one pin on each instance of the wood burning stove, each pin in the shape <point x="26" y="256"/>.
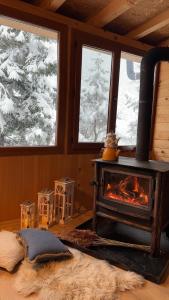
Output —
<point x="134" y="193"/>
<point x="127" y="192"/>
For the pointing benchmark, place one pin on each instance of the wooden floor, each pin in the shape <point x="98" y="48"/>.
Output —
<point x="150" y="291"/>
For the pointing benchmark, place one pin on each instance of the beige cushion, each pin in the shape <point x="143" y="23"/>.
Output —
<point x="11" y="251"/>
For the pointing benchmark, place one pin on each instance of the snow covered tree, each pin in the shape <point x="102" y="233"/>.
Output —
<point x="94" y="102"/>
<point x="28" y="88"/>
<point x="128" y="100"/>
<point x="132" y="105"/>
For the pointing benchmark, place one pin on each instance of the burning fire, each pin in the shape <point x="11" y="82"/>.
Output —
<point x="127" y="190"/>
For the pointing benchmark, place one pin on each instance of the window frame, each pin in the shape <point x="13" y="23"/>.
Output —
<point x="80" y="39"/>
<point x="130" y="148"/>
<point x="61" y="93"/>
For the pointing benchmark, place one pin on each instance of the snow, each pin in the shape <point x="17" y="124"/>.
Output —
<point x="127" y="109"/>
<point x="95" y="86"/>
<point x="52" y="54"/>
<point x="16" y="93"/>
<point x="20" y="37"/>
<point x="13" y="74"/>
<point x="2" y="122"/>
<point x="6" y="105"/>
<point x="28" y="88"/>
<point x="2" y="74"/>
<point x="28" y="92"/>
<point x="95" y="83"/>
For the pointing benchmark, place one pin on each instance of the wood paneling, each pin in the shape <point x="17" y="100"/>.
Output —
<point x="121" y="16"/>
<point x="150" y="26"/>
<point x="138" y="15"/>
<point x="26" y="12"/>
<point x="22" y="177"/>
<point x="161" y="130"/>
<point x="14" y="225"/>
<point x="162" y="113"/>
<point x="50" y="4"/>
<point x="161" y="154"/>
<point x="110" y="12"/>
<point x="161" y="144"/>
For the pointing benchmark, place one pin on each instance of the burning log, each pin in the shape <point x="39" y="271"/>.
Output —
<point x="128" y="190"/>
<point x="87" y="238"/>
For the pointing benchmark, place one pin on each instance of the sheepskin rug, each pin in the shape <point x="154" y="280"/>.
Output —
<point x="80" y="278"/>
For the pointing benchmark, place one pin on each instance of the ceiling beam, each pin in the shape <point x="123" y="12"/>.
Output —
<point x="164" y="43"/>
<point x="52" y="5"/>
<point x="26" y="12"/>
<point x="150" y="26"/>
<point x="113" y="10"/>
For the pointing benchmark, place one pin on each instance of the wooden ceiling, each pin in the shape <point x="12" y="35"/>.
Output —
<point x="143" y="20"/>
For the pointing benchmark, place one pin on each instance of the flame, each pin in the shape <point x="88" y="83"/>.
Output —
<point x="109" y="186"/>
<point x="136" y="185"/>
<point x="127" y="190"/>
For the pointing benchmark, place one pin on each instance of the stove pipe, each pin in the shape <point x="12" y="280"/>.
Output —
<point x="151" y="58"/>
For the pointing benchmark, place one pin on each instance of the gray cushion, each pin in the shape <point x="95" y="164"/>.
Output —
<point x="43" y="245"/>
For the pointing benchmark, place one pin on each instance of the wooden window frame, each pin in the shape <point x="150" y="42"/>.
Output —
<point x="79" y="39"/>
<point x="131" y="148"/>
<point x="62" y="84"/>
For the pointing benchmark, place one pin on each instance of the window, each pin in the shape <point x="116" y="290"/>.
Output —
<point x="104" y="93"/>
<point x="28" y="88"/>
<point x="128" y="99"/>
<point x="94" y="94"/>
<point x="31" y="87"/>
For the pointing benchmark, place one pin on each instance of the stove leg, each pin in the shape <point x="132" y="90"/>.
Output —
<point x="94" y="223"/>
<point x="155" y="242"/>
<point x="156" y="226"/>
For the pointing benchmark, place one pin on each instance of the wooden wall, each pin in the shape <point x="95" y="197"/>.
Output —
<point x="21" y="177"/>
<point x="161" y="131"/>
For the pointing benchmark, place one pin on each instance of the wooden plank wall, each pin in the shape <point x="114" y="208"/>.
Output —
<point x="161" y="130"/>
<point x="21" y="177"/>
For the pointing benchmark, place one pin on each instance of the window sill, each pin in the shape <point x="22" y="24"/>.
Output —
<point x="127" y="148"/>
<point x="89" y="148"/>
<point x="13" y="151"/>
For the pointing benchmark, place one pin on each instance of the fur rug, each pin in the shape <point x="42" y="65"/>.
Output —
<point x="80" y="278"/>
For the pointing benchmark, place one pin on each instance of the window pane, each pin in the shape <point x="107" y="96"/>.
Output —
<point x="128" y="99"/>
<point x="94" y="96"/>
<point x="28" y="87"/>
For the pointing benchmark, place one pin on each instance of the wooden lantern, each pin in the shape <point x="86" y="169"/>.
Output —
<point x="64" y="194"/>
<point x="27" y="214"/>
<point x="46" y="208"/>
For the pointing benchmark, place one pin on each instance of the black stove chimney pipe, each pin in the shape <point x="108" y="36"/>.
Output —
<point x="151" y="58"/>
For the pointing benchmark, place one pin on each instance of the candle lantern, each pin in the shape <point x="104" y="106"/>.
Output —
<point x="46" y="208"/>
<point x="64" y="194"/>
<point x="27" y="214"/>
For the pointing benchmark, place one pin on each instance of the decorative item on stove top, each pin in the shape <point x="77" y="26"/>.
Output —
<point x="110" y="150"/>
<point x="64" y="194"/>
<point x="46" y="208"/>
<point x="27" y="214"/>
